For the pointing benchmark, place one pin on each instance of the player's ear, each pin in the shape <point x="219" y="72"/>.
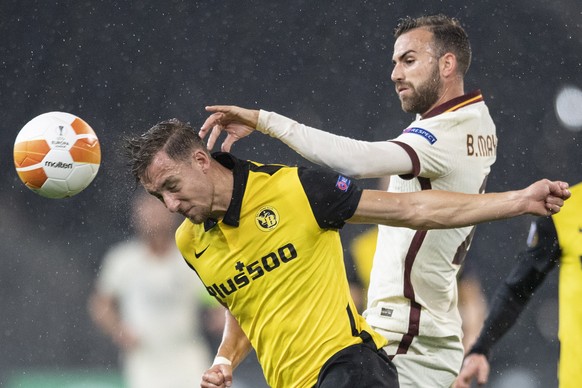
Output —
<point x="448" y="65"/>
<point x="201" y="159"/>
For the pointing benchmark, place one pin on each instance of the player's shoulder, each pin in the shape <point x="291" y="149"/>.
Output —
<point x="186" y="230"/>
<point x="438" y="130"/>
<point x="464" y="116"/>
<point x="261" y="175"/>
<point x="572" y="207"/>
<point x="270" y="169"/>
<point x="576" y="188"/>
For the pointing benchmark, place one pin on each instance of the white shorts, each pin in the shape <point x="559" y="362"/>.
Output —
<point x="429" y="362"/>
<point x="176" y="367"/>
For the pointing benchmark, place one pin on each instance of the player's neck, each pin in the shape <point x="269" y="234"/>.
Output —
<point x="223" y="180"/>
<point x="450" y="91"/>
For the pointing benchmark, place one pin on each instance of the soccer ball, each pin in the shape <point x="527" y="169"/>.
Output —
<point x="57" y="155"/>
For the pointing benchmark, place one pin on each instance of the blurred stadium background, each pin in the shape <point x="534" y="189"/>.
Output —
<point x="123" y="66"/>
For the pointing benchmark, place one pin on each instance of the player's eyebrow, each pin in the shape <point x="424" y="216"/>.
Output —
<point x="156" y="190"/>
<point x="167" y="182"/>
<point x="404" y="54"/>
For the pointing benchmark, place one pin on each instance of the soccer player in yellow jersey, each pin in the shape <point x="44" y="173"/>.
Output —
<point x="264" y="240"/>
<point x="552" y="240"/>
<point x="451" y="144"/>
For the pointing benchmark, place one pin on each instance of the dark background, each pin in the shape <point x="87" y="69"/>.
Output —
<point x="124" y="65"/>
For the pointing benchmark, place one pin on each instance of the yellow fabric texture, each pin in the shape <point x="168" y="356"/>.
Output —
<point x="281" y="276"/>
<point x="569" y="227"/>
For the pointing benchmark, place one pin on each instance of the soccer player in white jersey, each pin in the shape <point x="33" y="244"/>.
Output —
<point x="451" y="145"/>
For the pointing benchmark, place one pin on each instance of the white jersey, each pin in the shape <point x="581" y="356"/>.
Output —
<point x="413" y="287"/>
<point x="158" y="299"/>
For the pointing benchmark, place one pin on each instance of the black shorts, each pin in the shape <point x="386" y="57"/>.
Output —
<point x="361" y="366"/>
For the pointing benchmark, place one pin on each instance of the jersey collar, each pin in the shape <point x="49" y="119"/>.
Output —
<point x="455" y="103"/>
<point x="240" y="174"/>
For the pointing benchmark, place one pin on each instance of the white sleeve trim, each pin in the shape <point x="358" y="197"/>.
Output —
<point x="355" y="158"/>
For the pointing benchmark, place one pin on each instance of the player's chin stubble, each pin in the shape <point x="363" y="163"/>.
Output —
<point x="423" y="97"/>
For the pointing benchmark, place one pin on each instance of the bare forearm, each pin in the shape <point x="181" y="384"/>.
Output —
<point x="235" y="345"/>
<point x="439" y="209"/>
<point x="434" y="209"/>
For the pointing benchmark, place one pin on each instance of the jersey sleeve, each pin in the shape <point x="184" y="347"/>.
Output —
<point x="512" y="296"/>
<point x="355" y="158"/>
<point x="333" y="197"/>
<point x="430" y="143"/>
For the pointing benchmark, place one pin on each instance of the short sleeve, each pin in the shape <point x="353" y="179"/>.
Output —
<point x="333" y="197"/>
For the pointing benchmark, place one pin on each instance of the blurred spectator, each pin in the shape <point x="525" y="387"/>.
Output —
<point x="149" y="302"/>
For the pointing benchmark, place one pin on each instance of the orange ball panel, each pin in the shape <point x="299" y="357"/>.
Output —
<point x="28" y="153"/>
<point x="81" y="127"/>
<point x="86" y="151"/>
<point x="33" y="178"/>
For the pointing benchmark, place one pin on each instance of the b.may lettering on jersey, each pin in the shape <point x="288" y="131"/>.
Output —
<point x="481" y="145"/>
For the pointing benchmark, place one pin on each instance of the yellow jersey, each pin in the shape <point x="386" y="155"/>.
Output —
<point x="552" y="241"/>
<point x="568" y="223"/>
<point x="276" y="262"/>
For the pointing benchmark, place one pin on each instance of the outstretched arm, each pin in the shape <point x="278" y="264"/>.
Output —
<point x="433" y="209"/>
<point x="355" y="158"/>
<point x="233" y="349"/>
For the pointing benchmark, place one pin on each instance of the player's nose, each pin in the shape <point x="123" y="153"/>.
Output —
<point x="397" y="74"/>
<point x="172" y="204"/>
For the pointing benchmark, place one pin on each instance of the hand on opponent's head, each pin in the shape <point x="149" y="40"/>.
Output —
<point x="235" y="121"/>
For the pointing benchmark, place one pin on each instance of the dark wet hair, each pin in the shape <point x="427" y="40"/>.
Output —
<point x="176" y="138"/>
<point x="448" y="34"/>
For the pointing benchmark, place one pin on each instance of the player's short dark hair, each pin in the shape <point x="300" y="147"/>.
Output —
<point x="448" y="34"/>
<point x="176" y="138"/>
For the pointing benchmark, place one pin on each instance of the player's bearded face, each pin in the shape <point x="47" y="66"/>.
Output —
<point x="424" y="94"/>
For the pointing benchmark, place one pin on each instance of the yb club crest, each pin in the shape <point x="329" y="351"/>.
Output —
<point x="267" y="219"/>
